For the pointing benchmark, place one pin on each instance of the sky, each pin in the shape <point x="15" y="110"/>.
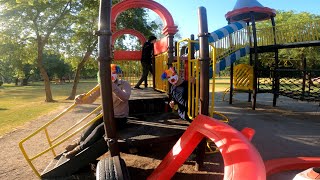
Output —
<point x="184" y="12"/>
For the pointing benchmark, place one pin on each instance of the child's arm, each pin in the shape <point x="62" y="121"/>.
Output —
<point x="122" y="94"/>
<point x="83" y="99"/>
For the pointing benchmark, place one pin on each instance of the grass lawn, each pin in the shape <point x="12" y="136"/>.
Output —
<point x="21" y="104"/>
<point x="222" y="83"/>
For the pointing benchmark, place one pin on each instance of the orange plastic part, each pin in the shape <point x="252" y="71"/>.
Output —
<point x="241" y="159"/>
<point x="294" y="163"/>
<point x="248" y="133"/>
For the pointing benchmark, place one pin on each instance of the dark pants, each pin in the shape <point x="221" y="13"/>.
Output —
<point x="146" y="68"/>
<point x="95" y="132"/>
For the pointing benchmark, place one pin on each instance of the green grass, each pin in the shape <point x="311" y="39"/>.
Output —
<point x="221" y="84"/>
<point x="21" y="104"/>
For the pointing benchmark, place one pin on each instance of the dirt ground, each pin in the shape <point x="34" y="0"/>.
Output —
<point x="288" y="130"/>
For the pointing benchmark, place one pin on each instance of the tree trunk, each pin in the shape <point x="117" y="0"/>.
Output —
<point x="77" y="75"/>
<point x="16" y="81"/>
<point x="24" y="82"/>
<point x="43" y="72"/>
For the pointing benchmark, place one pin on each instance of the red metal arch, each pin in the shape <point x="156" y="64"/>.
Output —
<point x="169" y="27"/>
<point x="136" y="33"/>
<point x="128" y="55"/>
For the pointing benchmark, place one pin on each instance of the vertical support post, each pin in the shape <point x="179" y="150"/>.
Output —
<point x="175" y="48"/>
<point x="255" y="46"/>
<point x="170" y="50"/>
<point x="104" y="32"/>
<point x="204" y="61"/>
<point x="251" y="61"/>
<point x="231" y="84"/>
<point x="231" y="69"/>
<point x="170" y="54"/>
<point x="204" y="78"/>
<point x="192" y="51"/>
<point x="275" y="81"/>
<point x="153" y="73"/>
<point x="304" y="66"/>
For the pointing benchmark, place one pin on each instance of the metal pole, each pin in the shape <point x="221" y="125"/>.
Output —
<point x="175" y="49"/>
<point x="255" y="46"/>
<point x="231" y="84"/>
<point x="192" y="51"/>
<point x="275" y="87"/>
<point x="170" y="50"/>
<point x="204" y="78"/>
<point x="231" y="70"/>
<point x="153" y="73"/>
<point x="104" y="33"/>
<point x="250" y="43"/>
<point x="204" y="61"/>
<point x="304" y="78"/>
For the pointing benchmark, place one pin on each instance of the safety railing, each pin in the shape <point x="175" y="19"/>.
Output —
<point x="213" y="113"/>
<point x="193" y="69"/>
<point x="161" y="64"/>
<point x="292" y="33"/>
<point x="61" y="138"/>
<point x="193" y="87"/>
<point x="184" y="57"/>
<point x="193" y="72"/>
<point x="132" y="71"/>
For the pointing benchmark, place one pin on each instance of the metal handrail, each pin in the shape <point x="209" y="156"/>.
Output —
<point x="303" y="31"/>
<point x="44" y="128"/>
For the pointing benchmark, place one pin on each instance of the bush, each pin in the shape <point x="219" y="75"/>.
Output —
<point x="1" y="83"/>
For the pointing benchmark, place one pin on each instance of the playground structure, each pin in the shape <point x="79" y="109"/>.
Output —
<point x="218" y="50"/>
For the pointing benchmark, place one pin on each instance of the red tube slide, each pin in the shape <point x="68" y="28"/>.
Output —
<point x="293" y="163"/>
<point x="241" y="159"/>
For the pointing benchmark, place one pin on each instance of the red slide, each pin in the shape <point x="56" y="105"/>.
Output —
<point x="241" y="160"/>
<point x="292" y="163"/>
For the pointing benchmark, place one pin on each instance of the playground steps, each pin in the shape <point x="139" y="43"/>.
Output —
<point x="60" y="166"/>
<point x="147" y="101"/>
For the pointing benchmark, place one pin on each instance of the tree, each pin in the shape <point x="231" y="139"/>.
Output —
<point x="289" y="21"/>
<point x="83" y="42"/>
<point x="15" y="56"/>
<point x="55" y="27"/>
<point x="37" y="21"/>
<point x="55" y="66"/>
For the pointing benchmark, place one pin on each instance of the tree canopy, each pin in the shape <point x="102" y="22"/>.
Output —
<point x="32" y="30"/>
<point x="287" y="21"/>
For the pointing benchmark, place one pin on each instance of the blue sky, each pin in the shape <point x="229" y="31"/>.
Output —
<point x="184" y="12"/>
